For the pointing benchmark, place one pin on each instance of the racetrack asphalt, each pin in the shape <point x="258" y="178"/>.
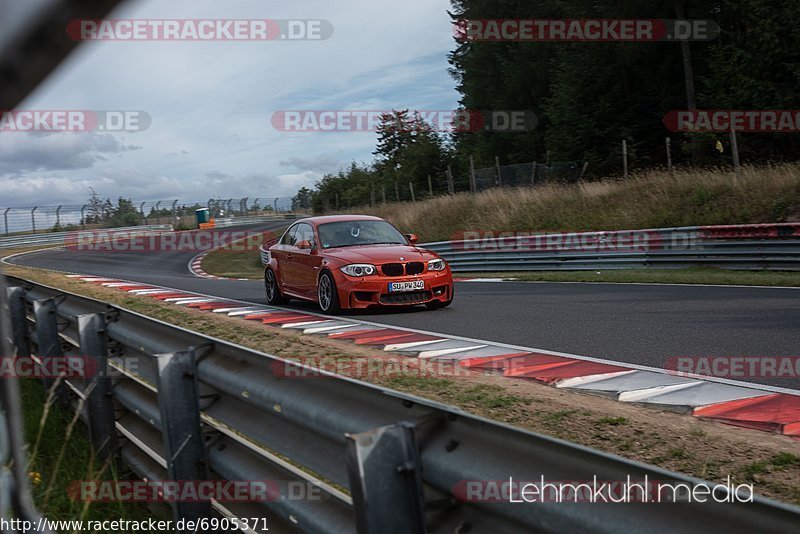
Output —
<point x="631" y="323"/>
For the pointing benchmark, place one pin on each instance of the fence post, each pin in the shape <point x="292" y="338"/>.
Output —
<point x="472" y="183"/>
<point x="175" y="211"/>
<point x="158" y="212"/>
<point x="33" y="219"/>
<point x="668" y="143"/>
<point x="19" y="321"/>
<point x="499" y="174"/>
<point x="735" y="150"/>
<point x="383" y="193"/>
<point x="533" y="173"/>
<point x="83" y="217"/>
<point x="411" y="189"/>
<point x="47" y="341"/>
<point x="450" y="185"/>
<point x="386" y="480"/>
<point x="624" y="158"/>
<point x="583" y="170"/>
<point x="141" y="210"/>
<point x="58" y="217"/>
<point x="275" y="205"/>
<point x="181" y="429"/>
<point x="396" y="191"/>
<point x="97" y="384"/>
<point x="5" y="218"/>
<point x="372" y="195"/>
<point x="430" y="186"/>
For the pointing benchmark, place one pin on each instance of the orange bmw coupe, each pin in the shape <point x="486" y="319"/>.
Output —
<point x="354" y="262"/>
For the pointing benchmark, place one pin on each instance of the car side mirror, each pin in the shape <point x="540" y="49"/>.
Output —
<point x="304" y="245"/>
<point x="412" y="238"/>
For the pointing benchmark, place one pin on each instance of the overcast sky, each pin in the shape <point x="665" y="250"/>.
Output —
<point x="211" y="102"/>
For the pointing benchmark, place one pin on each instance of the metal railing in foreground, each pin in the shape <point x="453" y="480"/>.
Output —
<point x="745" y="247"/>
<point x="184" y="406"/>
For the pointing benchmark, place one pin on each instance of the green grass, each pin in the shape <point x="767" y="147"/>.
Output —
<point x="60" y="453"/>
<point x="613" y="421"/>
<point x="230" y="264"/>
<point x="699" y="275"/>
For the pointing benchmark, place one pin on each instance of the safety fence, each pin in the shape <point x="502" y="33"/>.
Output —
<point x="181" y="406"/>
<point x="744" y="247"/>
<point x="126" y="212"/>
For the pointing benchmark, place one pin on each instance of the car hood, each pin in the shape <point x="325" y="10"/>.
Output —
<point x="380" y="254"/>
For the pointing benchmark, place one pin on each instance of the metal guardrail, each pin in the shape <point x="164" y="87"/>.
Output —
<point x="186" y="406"/>
<point x="238" y="221"/>
<point x="751" y="247"/>
<point x="60" y="238"/>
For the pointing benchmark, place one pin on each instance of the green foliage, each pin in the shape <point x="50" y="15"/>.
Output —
<point x="407" y="152"/>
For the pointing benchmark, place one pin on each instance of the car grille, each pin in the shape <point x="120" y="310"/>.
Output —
<point x="415" y="267"/>
<point x="412" y="297"/>
<point x="399" y="269"/>
<point x="392" y="269"/>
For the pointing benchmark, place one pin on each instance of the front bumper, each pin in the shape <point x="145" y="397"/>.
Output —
<point x="373" y="291"/>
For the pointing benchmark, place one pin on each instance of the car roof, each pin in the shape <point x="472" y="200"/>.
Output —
<point x="338" y="218"/>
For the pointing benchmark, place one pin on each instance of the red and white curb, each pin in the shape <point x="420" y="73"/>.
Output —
<point x="743" y="404"/>
<point x="196" y="268"/>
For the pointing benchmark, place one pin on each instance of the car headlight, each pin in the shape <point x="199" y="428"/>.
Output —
<point x="436" y="265"/>
<point x="358" y="269"/>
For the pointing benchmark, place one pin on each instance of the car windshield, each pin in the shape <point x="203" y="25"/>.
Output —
<point x="358" y="233"/>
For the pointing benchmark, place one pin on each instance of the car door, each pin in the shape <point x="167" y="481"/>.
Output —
<point x="307" y="261"/>
<point x="283" y="253"/>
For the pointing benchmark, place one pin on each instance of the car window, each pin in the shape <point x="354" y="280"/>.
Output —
<point x="304" y="233"/>
<point x="358" y="233"/>
<point x="289" y="237"/>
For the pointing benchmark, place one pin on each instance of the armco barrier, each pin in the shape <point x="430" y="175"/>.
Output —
<point x="185" y="406"/>
<point x="745" y="247"/>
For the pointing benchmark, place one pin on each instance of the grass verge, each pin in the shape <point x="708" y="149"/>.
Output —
<point x="60" y="454"/>
<point x="698" y="275"/>
<point x="673" y="441"/>
<point x="653" y="199"/>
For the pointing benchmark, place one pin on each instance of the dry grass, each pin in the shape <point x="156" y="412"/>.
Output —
<point x="648" y="200"/>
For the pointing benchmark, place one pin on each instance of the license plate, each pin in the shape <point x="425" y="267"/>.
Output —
<point x="406" y="286"/>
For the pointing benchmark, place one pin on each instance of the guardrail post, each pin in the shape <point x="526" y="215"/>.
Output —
<point x="386" y="480"/>
<point x="97" y="382"/>
<point x="47" y="340"/>
<point x="181" y="428"/>
<point x="19" y="321"/>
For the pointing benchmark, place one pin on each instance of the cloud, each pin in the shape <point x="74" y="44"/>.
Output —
<point x="22" y="153"/>
<point x="322" y="164"/>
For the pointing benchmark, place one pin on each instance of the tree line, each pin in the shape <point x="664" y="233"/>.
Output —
<point x="589" y="96"/>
